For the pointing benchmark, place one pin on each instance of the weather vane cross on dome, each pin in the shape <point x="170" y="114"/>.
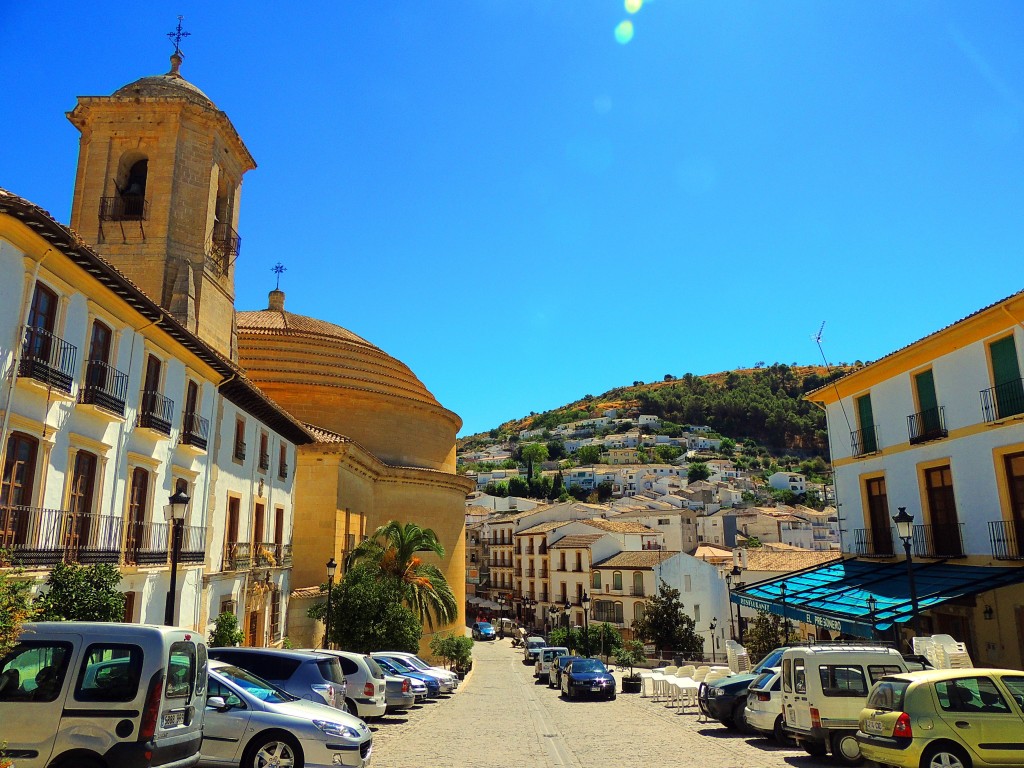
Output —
<point x="277" y="269"/>
<point x="177" y="36"/>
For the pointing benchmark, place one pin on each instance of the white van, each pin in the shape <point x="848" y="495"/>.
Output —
<point x="103" y="695"/>
<point x="824" y="688"/>
<point x="547" y="656"/>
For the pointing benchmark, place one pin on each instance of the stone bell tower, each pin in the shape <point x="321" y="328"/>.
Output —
<point x="157" y="194"/>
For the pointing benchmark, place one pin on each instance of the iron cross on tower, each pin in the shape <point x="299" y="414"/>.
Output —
<point x="277" y="269"/>
<point x="177" y="36"/>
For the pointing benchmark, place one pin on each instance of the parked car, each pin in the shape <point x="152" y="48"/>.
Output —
<point x="311" y="675"/>
<point x="419" y="664"/>
<point x="104" y="694"/>
<point x="365" y="696"/>
<point x="763" y="712"/>
<point x="402" y="692"/>
<point x="547" y="655"/>
<point x="445" y="680"/>
<point x="531" y="648"/>
<point x="824" y="689"/>
<point x="433" y="687"/>
<point x="252" y="723"/>
<point x="483" y="630"/>
<point x="726" y="699"/>
<point x="953" y="718"/>
<point x="559" y="665"/>
<point x="588" y="677"/>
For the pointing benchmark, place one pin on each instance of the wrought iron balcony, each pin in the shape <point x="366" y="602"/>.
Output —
<point x="45" y="537"/>
<point x="530" y="573"/>
<point x="282" y="470"/>
<point x="195" y="430"/>
<point x="637" y="591"/>
<point x="264" y="462"/>
<point x="225" y="246"/>
<point x="124" y="208"/>
<point x="1003" y="400"/>
<point x="265" y="554"/>
<point x="283" y="553"/>
<point x="240" y="450"/>
<point x="237" y="556"/>
<point x="927" y="425"/>
<point x="939" y="540"/>
<point x="1007" y="538"/>
<point x="868" y="542"/>
<point x="105" y="387"/>
<point x="864" y="441"/>
<point x="155" y="412"/>
<point x="146" y="543"/>
<point x="48" y="359"/>
<point x="193" y="544"/>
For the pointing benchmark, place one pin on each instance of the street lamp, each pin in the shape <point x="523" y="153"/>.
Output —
<point x="585" y="602"/>
<point x="735" y="573"/>
<point x="175" y="512"/>
<point x="565" y="612"/>
<point x="905" y="530"/>
<point x="785" y="619"/>
<point x="872" y="605"/>
<point x="332" y="568"/>
<point x="711" y="631"/>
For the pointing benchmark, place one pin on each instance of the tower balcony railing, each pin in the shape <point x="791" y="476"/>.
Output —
<point x="225" y="245"/>
<point x="48" y="359"/>
<point x="867" y="542"/>
<point x="1007" y="539"/>
<point x="155" y="412"/>
<point x="1003" y="400"/>
<point x="105" y="387"/>
<point x="124" y="208"/>
<point x="927" y="425"/>
<point x="195" y="431"/>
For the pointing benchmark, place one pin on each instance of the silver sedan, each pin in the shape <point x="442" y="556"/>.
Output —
<point x="251" y="723"/>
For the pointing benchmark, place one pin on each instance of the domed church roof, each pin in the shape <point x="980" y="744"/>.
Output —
<point x="170" y="85"/>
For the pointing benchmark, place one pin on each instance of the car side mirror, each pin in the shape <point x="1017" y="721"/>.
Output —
<point x="218" y="703"/>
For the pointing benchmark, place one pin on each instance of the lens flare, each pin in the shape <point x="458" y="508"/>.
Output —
<point x="624" y="32"/>
<point x="632" y="6"/>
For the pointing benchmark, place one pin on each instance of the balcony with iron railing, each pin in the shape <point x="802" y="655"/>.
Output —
<point x="282" y="470"/>
<point x="45" y="537"/>
<point x="239" y="451"/>
<point x="1007" y="539"/>
<point x="155" y="412"/>
<point x="48" y="359"/>
<point x="264" y="462"/>
<point x="870" y="543"/>
<point x="146" y="543"/>
<point x="193" y="544"/>
<point x="124" y="208"/>
<point x="225" y="245"/>
<point x="104" y="387"/>
<point x="1002" y="401"/>
<point x="265" y="554"/>
<point x="637" y="591"/>
<point x="530" y="573"/>
<point x="237" y="556"/>
<point x="864" y="441"/>
<point x="283" y="553"/>
<point x="927" y="425"/>
<point x="543" y="573"/>
<point x="529" y="549"/>
<point x="195" y="431"/>
<point x="942" y="540"/>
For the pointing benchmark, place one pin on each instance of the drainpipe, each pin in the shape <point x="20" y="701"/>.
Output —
<point x="18" y="347"/>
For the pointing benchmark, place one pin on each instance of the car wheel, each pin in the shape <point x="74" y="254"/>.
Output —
<point x="611" y="696"/>
<point x="739" y="718"/>
<point x="779" y="731"/>
<point x="814" y="748"/>
<point x="945" y="756"/>
<point x="845" y="748"/>
<point x="277" y="749"/>
<point x="351" y="708"/>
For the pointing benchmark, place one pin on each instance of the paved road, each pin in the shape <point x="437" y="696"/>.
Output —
<point x="499" y="718"/>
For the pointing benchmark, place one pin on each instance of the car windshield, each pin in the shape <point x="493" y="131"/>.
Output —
<point x="763" y="681"/>
<point x="588" y="665"/>
<point x="416" y="662"/>
<point x="374" y="667"/>
<point x="888" y="694"/>
<point x="254" y="686"/>
<point x="564" y="661"/>
<point x="773" y="659"/>
<point x="534" y="643"/>
<point x="395" y="665"/>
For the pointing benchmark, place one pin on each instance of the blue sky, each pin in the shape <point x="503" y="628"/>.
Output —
<point x="526" y="210"/>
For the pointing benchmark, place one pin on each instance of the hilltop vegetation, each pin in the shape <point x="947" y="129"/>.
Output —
<point x="764" y="404"/>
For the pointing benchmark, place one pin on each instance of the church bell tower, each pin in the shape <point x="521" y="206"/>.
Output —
<point x="157" y="194"/>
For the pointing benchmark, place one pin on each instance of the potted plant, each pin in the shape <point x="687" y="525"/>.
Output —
<point x="629" y="655"/>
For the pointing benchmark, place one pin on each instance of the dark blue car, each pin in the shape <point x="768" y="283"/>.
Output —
<point x="588" y="677"/>
<point x="395" y="668"/>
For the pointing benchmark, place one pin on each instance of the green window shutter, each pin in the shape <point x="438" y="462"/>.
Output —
<point x="868" y="442"/>
<point x="925" y="383"/>
<point x="1009" y="391"/>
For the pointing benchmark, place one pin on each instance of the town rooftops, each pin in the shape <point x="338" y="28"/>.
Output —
<point x="644" y="558"/>
<point x="576" y="541"/>
<point x="617" y="526"/>
<point x="544" y="527"/>
<point x="768" y="560"/>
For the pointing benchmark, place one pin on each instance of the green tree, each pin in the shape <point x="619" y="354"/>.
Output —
<point x="81" y="593"/>
<point x="666" y="454"/>
<point x="764" y="634"/>
<point x="588" y="454"/>
<point x="629" y="655"/>
<point x="666" y="624"/>
<point x="392" y="550"/>
<point x="698" y="471"/>
<point x="556" y="450"/>
<point x="455" y="650"/>
<point x="518" y="486"/>
<point x="225" y="632"/>
<point x="604" y="490"/>
<point x="533" y="453"/>
<point x="728" y="447"/>
<point x="578" y="492"/>
<point x="15" y="607"/>
<point x="369" y="611"/>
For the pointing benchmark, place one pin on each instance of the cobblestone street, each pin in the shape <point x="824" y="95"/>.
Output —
<point x="501" y="718"/>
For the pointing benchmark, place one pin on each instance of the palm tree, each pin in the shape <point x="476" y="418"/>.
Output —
<point x="392" y="549"/>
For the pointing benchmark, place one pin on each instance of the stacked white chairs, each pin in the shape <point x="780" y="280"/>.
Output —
<point x="950" y="654"/>
<point x="739" y="660"/>
<point x="659" y="678"/>
<point x="649" y="674"/>
<point x="700" y="673"/>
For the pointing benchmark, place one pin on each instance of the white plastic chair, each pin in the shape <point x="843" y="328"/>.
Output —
<point x="659" y="681"/>
<point x="700" y="673"/>
<point x="644" y="677"/>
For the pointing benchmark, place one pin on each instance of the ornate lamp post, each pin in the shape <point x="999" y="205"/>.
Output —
<point x="585" y="602"/>
<point x="872" y="605"/>
<point x="711" y="631"/>
<point x="905" y="530"/>
<point x="735" y="573"/>
<point x="785" y="618"/>
<point x="332" y="568"/>
<point x="529" y="606"/>
<point x="175" y="512"/>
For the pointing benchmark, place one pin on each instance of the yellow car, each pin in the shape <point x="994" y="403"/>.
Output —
<point x="945" y="718"/>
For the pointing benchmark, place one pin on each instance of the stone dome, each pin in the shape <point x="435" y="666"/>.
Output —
<point x="327" y="376"/>
<point x="167" y="86"/>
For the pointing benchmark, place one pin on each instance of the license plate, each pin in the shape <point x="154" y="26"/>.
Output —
<point x="874" y="726"/>
<point x="595" y="688"/>
<point x="173" y="719"/>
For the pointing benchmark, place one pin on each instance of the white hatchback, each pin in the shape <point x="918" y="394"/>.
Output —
<point x="763" y="712"/>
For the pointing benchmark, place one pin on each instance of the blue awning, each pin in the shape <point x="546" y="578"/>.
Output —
<point x="835" y="596"/>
